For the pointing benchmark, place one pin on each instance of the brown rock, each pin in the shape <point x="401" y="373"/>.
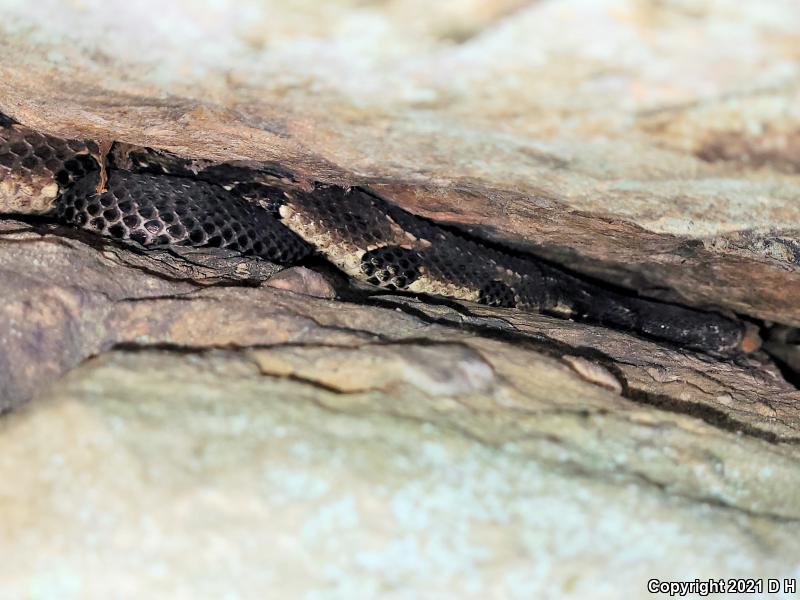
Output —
<point x="198" y="433"/>
<point x="303" y="281"/>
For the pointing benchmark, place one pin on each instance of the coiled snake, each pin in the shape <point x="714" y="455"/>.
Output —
<point x="156" y="199"/>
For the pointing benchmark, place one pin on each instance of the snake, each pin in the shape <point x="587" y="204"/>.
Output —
<point x="156" y="199"/>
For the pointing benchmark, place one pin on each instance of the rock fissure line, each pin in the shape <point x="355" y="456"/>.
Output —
<point x="555" y="349"/>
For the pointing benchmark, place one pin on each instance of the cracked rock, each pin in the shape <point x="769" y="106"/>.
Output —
<point x="435" y="369"/>
<point x="149" y="457"/>
<point x="191" y="423"/>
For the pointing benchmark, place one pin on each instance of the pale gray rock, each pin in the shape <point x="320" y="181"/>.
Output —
<point x="178" y="427"/>
<point x="156" y="473"/>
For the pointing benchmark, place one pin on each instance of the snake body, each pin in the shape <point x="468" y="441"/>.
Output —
<point x="132" y="193"/>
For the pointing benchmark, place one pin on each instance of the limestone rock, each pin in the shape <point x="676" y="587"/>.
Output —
<point x="179" y="424"/>
<point x="203" y="474"/>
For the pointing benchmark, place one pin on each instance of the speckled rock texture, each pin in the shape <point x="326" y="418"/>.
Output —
<point x="228" y="479"/>
<point x="194" y="424"/>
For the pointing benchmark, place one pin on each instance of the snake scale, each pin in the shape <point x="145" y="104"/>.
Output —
<point x="156" y="199"/>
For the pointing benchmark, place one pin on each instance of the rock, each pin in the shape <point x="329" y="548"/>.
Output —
<point x="397" y="443"/>
<point x="192" y="423"/>
<point x="303" y="281"/>
<point x="200" y="473"/>
<point x="593" y="372"/>
<point x="71" y="298"/>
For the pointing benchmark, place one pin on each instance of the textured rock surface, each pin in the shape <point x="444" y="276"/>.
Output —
<point x="342" y="449"/>
<point x="68" y="300"/>
<point x="204" y="473"/>
<point x="197" y="431"/>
